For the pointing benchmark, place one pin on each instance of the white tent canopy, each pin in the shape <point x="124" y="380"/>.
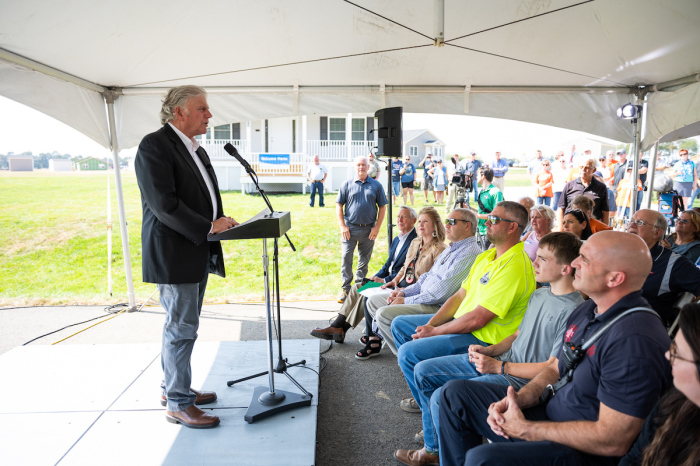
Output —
<point x="279" y="58"/>
<point x="565" y="63"/>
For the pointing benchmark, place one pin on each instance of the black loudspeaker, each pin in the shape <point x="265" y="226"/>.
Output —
<point x="390" y="131"/>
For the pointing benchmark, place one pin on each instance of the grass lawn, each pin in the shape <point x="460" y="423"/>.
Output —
<point x="54" y="251"/>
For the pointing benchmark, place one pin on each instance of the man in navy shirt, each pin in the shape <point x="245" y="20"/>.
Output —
<point x="596" y="416"/>
<point x="671" y="274"/>
<point x="472" y="166"/>
<point x="360" y="208"/>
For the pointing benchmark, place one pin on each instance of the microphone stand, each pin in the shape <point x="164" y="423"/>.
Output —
<point x="390" y="191"/>
<point x="268" y="402"/>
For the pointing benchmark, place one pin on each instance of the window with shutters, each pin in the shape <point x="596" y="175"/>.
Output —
<point x="336" y="129"/>
<point x="222" y="132"/>
<point x="358" y="129"/>
<point x="236" y="131"/>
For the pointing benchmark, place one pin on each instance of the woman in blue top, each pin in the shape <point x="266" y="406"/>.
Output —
<point x="439" y="175"/>
<point x="408" y="175"/>
<point x="683" y="177"/>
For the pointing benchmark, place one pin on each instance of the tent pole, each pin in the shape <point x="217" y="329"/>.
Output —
<point x="109" y="98"/>
<point x="652" y="167"/>
<point x="635" y="168"/>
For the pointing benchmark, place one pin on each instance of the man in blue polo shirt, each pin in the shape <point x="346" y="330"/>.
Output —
<point x="596" y="416"/>
<point x="360" y="208"/>
<point x="500" y="168"/>
<point x="671" y="274"/>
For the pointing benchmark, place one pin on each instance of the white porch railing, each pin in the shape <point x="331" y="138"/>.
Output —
<point x="337" y="150"/>
<point x="215" y="148"/>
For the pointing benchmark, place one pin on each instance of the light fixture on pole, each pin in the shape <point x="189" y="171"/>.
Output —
<point x="633" y="112"/>
<point x="629" y="112"/>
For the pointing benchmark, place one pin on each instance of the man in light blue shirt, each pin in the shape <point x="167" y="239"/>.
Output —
<point x="500" y="168"/>
<point x="434" y="287"/>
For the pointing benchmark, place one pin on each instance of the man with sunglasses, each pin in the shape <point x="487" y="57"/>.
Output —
<point x="594" y="418"/>
<point x="434" y="287"/>
<point x="486" y="309"/>
<point x="671" y="274"/>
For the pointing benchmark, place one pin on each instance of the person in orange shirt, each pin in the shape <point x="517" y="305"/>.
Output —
<point x="543" y="183"/>
<point x="624" y="196"/>
<point x="585" y="204"/>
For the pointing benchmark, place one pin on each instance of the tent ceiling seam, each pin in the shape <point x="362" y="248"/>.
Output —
<point x="391" y="20"/>
<point x="303" y="62"/>
<point x="519" y="20"/>
<point x="534" y="64"/>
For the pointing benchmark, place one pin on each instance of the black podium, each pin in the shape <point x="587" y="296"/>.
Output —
<point x="266" y="401"/>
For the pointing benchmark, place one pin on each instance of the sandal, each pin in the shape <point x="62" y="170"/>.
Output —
<point x="370" y="350"/>
<point x="364" y="339"/>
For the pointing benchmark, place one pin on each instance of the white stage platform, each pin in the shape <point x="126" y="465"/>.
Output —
<point x="100" y="404"/>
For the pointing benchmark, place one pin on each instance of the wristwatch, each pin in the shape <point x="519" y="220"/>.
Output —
<point x="503" y="368"/>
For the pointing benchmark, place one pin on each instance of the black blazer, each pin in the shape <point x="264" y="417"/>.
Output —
<point x="177" y="211"/>
<point x="400" y="259"/>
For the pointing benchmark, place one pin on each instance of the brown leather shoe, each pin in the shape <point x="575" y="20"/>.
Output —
<point x="417" y="457"/>
<point x="329" y="333"/>
<point x="192" y="417"/>
<point x="203" y="398"/>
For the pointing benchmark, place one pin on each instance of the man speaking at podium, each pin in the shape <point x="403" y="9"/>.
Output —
<point x="181" y="207"/>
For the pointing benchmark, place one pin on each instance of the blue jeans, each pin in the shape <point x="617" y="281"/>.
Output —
<point x="183" y="304"/>
<point x="693" y="195"/>
<point x="444" y="359"/>
<point x="464" y="408"/>
<point x="396" y="185"/>
<point x="543" y="200"/>
<point x="496" y="379"/>
<point x="476" y="191"/>
<point x="555" y="200"/>
<point x="317" y="186"/>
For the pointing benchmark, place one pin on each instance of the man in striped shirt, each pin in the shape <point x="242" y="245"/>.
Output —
<point x="434" y="287"/>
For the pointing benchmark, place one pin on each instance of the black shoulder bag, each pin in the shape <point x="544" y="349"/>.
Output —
<point x="573" y="355"/>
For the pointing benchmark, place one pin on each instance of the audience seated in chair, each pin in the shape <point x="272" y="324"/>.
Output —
<point x="596" y="416"/>
<point x="431" y="290"/>
<point x="352" y="310"/>
<point x="514" y="360"/>
<point x="671" y="274"/>
<point x="671" y="431"/>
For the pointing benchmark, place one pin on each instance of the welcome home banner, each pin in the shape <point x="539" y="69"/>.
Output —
<point x="280" y="161"/>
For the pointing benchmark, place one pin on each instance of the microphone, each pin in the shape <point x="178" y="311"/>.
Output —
<point x="231" y="149"/>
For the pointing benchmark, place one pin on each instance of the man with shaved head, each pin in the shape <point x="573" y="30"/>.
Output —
<point x="672" y="274"/>
<point x="594" y="418"/>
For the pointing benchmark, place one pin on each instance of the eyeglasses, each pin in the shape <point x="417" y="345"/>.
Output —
<point x="639" y="223"/>
<point x="453" y="221"/>
<point x="673" y="354"/>
<point x="545" y="164"/>
<point x="683" y="220"/>
<point x="494" y="220"/>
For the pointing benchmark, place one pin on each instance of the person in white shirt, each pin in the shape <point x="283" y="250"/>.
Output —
<point x="316" y="174"/>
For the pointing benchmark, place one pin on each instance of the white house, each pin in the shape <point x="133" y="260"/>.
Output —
<point x="419" y="142"/>
<point x="336" y="138"/>
<point x="60" y="165"/>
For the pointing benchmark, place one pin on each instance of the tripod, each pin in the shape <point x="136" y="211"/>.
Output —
<point x="266" y="401"/>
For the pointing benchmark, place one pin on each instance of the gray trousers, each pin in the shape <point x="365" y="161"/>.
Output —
<point x="359" y="237"/>
<point x="384" y="314"/>
<point x="182" y="304"/>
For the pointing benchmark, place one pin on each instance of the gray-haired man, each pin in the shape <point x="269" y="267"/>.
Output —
<point x="181" y="207"/>
<point x="360" y="208"/>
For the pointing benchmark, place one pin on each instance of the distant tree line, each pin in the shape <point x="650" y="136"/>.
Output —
<point x="42" y="160"/>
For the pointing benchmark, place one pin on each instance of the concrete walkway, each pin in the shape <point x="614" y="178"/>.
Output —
<point x="359" y="421"/>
